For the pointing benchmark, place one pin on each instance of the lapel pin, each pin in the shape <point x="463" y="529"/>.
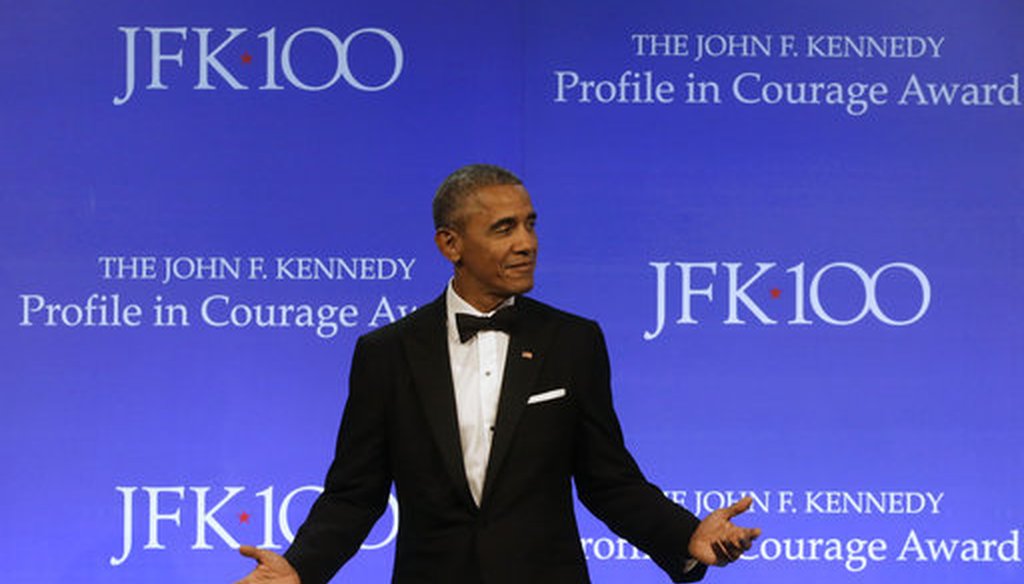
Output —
<point x="527" y="355"/>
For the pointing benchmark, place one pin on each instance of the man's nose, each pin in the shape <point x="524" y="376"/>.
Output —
<point x="525" y="242"/>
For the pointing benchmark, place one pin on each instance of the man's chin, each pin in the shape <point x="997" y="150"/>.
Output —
<point x="521" y="287"/>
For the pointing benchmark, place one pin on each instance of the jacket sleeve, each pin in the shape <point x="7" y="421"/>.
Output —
<point x="611" y="485"/>
<point x="358" y="482"/>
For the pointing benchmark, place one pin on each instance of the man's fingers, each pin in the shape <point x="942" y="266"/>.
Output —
<point x="738" y="507"/>
<point x="731" y="547"/>
<point x="745" y="538"/>
<point x="255" y="553"/>
<point x="725" y="552"/>
<point x="721" y="557"/>
<point x="727" y="542"/>
<point x="734" y="550"/>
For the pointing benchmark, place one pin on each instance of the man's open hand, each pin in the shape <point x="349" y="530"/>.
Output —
<point x="272" y="568"/>
<point x="717" y="542"/>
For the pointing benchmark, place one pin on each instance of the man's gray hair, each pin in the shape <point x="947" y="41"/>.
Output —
<point x="453" y="192"/>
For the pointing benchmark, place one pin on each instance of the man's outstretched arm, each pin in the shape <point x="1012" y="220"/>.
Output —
<point x="356" y="487"/>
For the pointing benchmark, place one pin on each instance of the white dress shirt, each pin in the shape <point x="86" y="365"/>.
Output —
<point x="478" y="367"/>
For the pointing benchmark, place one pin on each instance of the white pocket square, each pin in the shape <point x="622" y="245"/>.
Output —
<point x="546" y="396"/>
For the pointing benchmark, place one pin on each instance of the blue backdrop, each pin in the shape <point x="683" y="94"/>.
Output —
<point x="800" y="226"/>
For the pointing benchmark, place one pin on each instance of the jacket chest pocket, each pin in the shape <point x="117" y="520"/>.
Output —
<point x="549" y="413"/>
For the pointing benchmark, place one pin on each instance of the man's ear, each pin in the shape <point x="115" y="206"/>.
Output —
<point x="449" y="243"/>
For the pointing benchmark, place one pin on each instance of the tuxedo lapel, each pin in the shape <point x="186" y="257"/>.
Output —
<point x="527" y="348"/>
<point x="427" y="348"/>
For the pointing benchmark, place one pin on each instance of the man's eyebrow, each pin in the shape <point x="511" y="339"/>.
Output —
<point x="503" y="222"/>
<point x="510" y="221"/>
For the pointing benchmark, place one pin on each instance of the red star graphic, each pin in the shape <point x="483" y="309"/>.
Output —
<point x="775" y="292"/>
<point x="246" y="58"/>
<point x="243" y="517"/>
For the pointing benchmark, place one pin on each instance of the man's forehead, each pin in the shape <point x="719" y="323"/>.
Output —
<point x="499" y="200"/>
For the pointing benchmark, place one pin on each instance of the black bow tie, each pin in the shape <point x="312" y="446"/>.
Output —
<point x="469" y="325"/>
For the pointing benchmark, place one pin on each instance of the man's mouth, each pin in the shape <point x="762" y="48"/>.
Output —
<point x="520" y="267"/>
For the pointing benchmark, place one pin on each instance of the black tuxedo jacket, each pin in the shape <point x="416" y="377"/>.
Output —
<point x="400" y="426"/>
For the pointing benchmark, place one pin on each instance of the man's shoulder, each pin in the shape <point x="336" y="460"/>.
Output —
<point x="428" y="317"/>
<point x="555" y="315"/>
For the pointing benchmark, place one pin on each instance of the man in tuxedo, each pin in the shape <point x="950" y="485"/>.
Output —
<point x="483" y="408"/>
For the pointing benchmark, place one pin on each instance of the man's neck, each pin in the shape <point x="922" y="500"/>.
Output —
<point x="485" y="303"/>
